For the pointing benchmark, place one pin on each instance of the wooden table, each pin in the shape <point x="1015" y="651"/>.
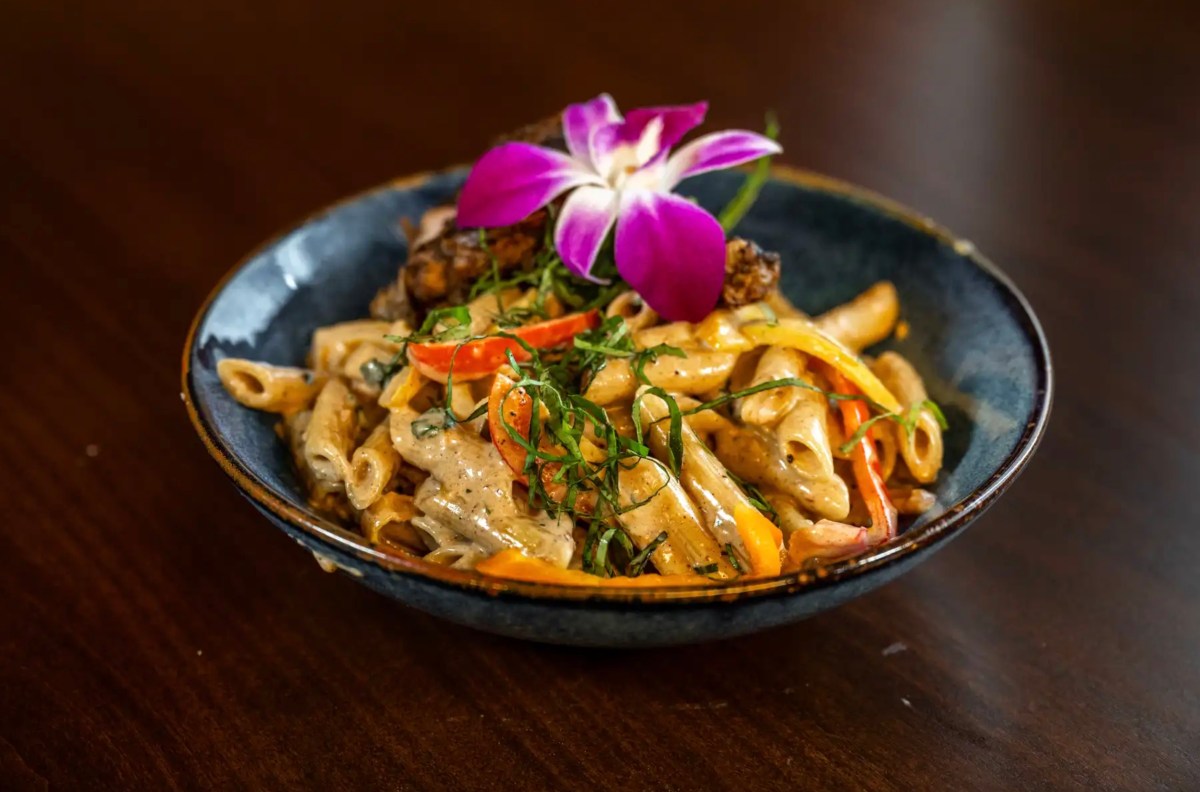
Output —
<point x="156" y="633"/>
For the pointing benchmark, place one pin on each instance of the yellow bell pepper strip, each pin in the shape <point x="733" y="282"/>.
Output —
<point x="803" y="335"/>
<point x="513" y="565"/>
<point x="477" y="359"/>
<point x="884" y="517"/>
<point x="763" y="541"/>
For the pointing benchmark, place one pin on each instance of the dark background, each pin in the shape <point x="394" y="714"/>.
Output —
<point x="155" y="633"/>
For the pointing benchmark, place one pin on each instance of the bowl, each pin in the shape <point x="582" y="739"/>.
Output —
<point x="973" y="336"/>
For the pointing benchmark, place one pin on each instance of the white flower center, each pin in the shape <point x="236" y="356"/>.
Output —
<point x="628" y="157"/>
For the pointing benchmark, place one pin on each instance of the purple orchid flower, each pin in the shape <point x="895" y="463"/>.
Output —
<point x="668" y="249"/>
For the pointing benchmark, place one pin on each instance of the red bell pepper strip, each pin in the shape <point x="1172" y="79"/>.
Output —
<point x="479" y="358"/>
<point x="514" y="407"/>
<point x="884" y="517"/>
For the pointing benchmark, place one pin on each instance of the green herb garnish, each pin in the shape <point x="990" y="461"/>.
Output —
<point x="733" y="559"/>
<point x="908" y="420"/>
<point x="746" y="195"/>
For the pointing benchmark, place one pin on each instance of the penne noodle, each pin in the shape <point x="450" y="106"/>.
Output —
<point x="277" y="389"/>
<point x="485" y="308"/>
<point x="331" y="432"/>
<point x="789" y="517"/>
<point x="803" y="438"/>
<point x="703" y="477"/>
<point x="372" y="467"/>
<point x="331" y="345"/>
<point x="912" y="501"/>
<point x="678" y="334"/>
<point x="767" y="407"/>
<point x="699" y="372"/>
<point x="721" y="331"/>
<point x="666" y="508"/>
<point x="752" y="454"/>
<point x="704" y="422"/>
<point x="886" y="446"/>
<point x="922" y="450"/>
<point x="388" y="520"/>
<point x="867" y="319"/>
<point x="633" y="309"/>
<point x="782" y="306"/>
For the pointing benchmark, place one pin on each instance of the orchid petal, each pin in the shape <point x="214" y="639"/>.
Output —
<point x="717" y="151"/>
<point x="672" y="253"/>
<point x="582" y="227"/>
<point x="513" y="180"/>
<point x="637" y="132"/>
<point x="581" y="120"/>
<point x="677" y="121"/>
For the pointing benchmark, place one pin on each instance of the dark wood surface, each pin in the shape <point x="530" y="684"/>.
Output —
<point x="156" y="633"/>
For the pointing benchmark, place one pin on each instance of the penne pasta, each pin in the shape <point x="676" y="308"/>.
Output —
<point x="666" y="507"/>
<point x="699" y="372"/>
<point x="277" y="389"/>
<point x="633" y="309"/>
<point x="703" y="477"/>
<point x="912" y="500"/>
<point x="678" y="334"/>
<point x="922" y="450"/>
<point x="752" y="454"/>
<point x="388" y="520"/>
<point x="331" y="345"/>
<point x="782" y="307"/>
<point x="330" y="435"/>
<point x="802" y="436"/>
<point x="867" y="319"/>
<point x="768" y="407"/>
<point x="372" y="467"/>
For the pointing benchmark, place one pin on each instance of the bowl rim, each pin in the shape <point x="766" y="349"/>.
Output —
<point x="339" y="539"/>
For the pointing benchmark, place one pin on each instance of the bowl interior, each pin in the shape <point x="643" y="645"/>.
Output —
<point x="972" y="337"/>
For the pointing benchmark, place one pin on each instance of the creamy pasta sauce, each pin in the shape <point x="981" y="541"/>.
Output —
<point x="470" y="492"/>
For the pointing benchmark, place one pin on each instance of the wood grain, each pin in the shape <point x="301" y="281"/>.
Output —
<point x="155" y="633"/>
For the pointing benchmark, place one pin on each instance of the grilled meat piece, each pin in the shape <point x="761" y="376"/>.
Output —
<point x="441" y="269"/>
<point x="750" y="273"/>
<point x="547" y="132"/>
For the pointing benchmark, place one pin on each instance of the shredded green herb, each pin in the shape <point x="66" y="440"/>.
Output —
<point x="638" y="563"/>
<point x="706" y="569"/>
<point x="907" y="419"/>
<point x="755" y="496"/>
<point x="747" y="194"/>
<point x="733" y="559"/>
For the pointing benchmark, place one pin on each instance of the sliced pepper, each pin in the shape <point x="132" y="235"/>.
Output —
<point x="513" y="406"/>
<point x="762" y="539"/>
<point x="479" y="358"/>
<point x="512" y="564"/>
<point x="865" y="458"/>
<point x="803" y="335"/>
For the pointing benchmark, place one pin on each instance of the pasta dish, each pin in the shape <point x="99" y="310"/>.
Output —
<point x="591" y="381"/>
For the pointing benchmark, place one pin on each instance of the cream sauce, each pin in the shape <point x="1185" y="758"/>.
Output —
<point x="470" y="492"/>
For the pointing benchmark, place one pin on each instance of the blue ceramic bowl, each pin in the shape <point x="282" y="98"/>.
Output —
<point x="973" y="337"/>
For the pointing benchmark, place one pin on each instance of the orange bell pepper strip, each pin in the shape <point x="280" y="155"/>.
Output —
<point x="762" y="539"/>
<point x="884" y="517"/>
<point x="477" y="359"/>
<point x="511" y="564"/>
